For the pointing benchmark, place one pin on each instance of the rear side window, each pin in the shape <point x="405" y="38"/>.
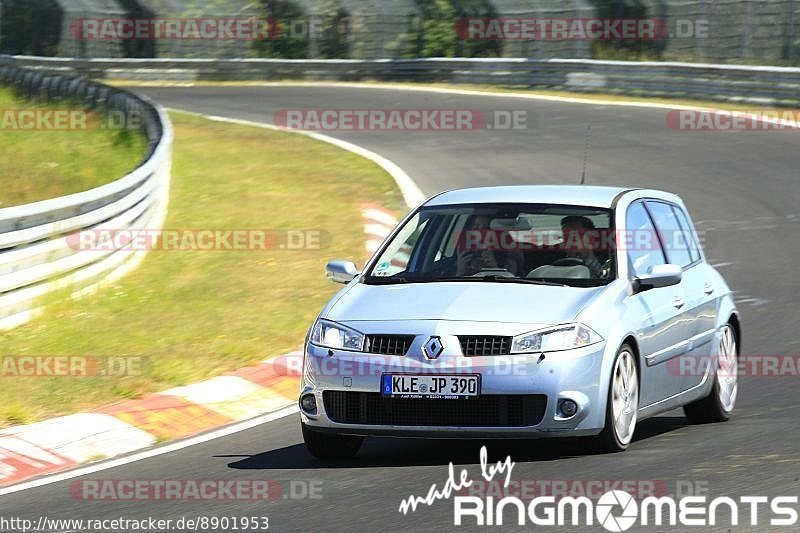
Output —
<point x="641" y="241"/>
<point x="691" y="238"/>
<point x="673" y="237"/>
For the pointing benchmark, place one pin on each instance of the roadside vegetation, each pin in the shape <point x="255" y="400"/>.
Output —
<point x="38" y="164"/>
<point x="196" y="314"/>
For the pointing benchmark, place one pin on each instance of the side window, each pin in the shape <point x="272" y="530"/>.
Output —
<point x="672" y="235"/>
<point x="395" y="258"/>
<point x="691" y="238"/>
<point x="641" y="241"/>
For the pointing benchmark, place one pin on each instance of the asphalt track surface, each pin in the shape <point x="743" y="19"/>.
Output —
<point x="741" y="187"/>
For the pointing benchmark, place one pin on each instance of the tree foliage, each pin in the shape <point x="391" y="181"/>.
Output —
<point x="30" y="27"/>
<point x="433" y="32"/>
<point x="630" y="49"/>
<point x="291" y="43"/>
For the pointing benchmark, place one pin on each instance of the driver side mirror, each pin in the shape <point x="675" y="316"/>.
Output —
<point x="341" y="271"/>
<point x="659" y="276"/>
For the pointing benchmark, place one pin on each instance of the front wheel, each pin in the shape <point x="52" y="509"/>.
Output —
<point x="718" y="406"/>
<point x="622" y="407"/>
<point x="326" y="446"/>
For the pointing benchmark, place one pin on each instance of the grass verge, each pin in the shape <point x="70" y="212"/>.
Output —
<point x="39" y="164"/>
<point x="196" y="314"/>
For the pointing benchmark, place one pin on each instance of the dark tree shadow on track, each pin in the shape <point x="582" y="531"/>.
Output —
<point x="389" y="452"/>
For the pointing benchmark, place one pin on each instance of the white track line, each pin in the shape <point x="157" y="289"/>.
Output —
<point x="153" y="452"/>
<point x="412" y="194"/>
<point x="476" y="92"/>
<point x="465" y="92"/>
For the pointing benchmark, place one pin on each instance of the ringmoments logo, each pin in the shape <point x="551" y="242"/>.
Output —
<point x="606" y="506"/>
<point x="618" y="510"/>
<point x="615" y="510"/>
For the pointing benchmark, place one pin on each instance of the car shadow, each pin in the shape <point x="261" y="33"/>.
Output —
<point x="388" y="452"/>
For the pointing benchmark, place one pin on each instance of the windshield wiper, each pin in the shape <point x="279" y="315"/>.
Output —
<point x="388" y="280"/>
<point x="391" y="280"/>
<point x="503" y="279"/>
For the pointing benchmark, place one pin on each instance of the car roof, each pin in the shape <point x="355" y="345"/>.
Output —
<point x="579" y="195"/>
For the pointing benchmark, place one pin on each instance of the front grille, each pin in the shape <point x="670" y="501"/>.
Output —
<point x="496" y="410"/>
<point x="477" y="345"/>
<point x="388" y="344"/>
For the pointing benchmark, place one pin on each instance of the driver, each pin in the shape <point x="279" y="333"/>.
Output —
<point x="471" y="262"/>
<point x="573" y="229"/>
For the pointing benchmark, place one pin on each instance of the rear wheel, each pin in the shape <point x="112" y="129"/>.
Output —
<point x="327" y="446"/>
<point x="719" y="404"/>
<point x="622" y="407"/>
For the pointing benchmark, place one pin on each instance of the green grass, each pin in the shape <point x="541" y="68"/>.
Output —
<point x="42" y="164"/>
<point x="198" y="314"/>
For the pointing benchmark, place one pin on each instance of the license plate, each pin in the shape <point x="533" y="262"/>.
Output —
<point x="416" y="386"/>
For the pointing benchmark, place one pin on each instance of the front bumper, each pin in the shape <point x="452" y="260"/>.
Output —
<point x="576" y="375"/>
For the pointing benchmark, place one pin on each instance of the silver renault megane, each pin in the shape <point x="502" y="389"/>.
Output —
<point x="520" y="312"/>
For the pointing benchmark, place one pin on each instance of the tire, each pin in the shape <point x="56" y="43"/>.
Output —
<point x="622" y="404"/>
<point x="720" y="402"/>
<point x="327" y="446"/>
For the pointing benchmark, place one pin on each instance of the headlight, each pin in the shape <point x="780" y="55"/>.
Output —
<point x="333" y="335"/>
<point x="555" y="339"/>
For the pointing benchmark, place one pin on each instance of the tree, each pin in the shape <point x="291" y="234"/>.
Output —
<point x="137" y="47"/>
<point x="434" y="33"/>
<point x="30" y="27"/>
<point x="624" y="48"/>
<point x="291" y="25"/>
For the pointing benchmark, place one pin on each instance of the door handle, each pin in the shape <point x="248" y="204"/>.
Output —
<point x="708" y="289"/>
<point x="678" y="302"/>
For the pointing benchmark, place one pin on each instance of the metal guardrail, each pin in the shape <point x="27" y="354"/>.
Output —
<point x="763" y="85"/>
<point x="38" y="252"/>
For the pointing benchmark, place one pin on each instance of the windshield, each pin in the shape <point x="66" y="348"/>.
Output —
<point x="522" y="243"/>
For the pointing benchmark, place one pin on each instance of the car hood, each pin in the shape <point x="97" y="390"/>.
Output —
<point x="467" y="301"/>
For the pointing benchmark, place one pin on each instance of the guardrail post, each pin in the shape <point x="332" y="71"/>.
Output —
<point x="791" y="35"/>
<point x="747" y="34"/>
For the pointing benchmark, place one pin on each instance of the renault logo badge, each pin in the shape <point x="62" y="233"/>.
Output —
<point x="433" y="348"/>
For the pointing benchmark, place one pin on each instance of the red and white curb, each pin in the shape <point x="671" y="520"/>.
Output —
<point x="33" y="450"/>
<point x="196" y="413"/>
<point x="60" y="443"/>
<point x="378" y="224"/>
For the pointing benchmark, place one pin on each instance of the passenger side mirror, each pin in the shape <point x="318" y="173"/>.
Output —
<point x="341" y="271"/>
<point x="659" y="276"/>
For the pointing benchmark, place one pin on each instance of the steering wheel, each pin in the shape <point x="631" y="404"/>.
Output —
<point x="569" y="262"/>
